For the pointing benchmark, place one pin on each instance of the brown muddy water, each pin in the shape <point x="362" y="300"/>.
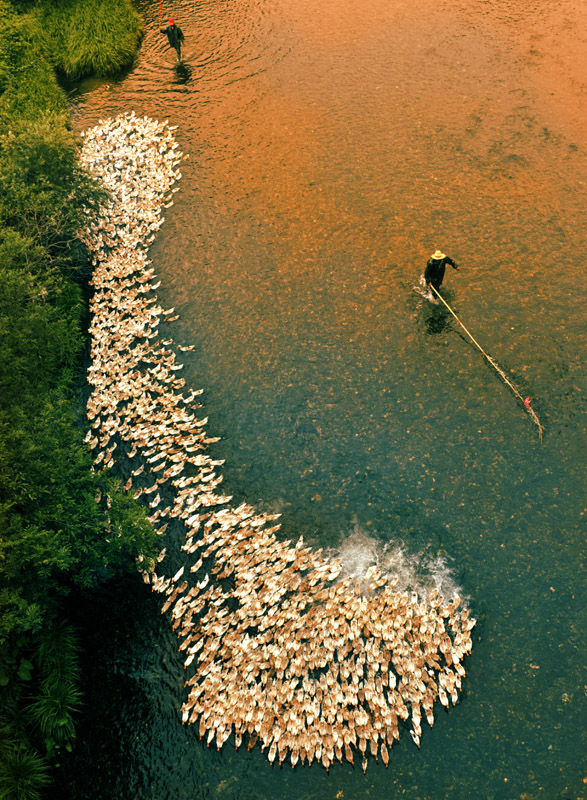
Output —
<point x="333" y="146"/>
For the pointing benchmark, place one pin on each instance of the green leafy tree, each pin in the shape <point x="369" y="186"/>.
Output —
<point x="45" y="190"/>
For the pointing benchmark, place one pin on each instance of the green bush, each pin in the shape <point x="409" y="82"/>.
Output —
<point x="28" y="87"/>
<point x="39" y="323"/>
<point x="45" y="190"/>
<point x="58" y="697"/>
<point x="91" y="37"/>
<point x="54" y="533"/>
<point x="23" y="772"/>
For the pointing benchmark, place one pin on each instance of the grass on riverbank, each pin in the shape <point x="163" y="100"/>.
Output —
<point x="55" y="535"/>
<point x="28" y="87"/>
<point x="90" y="36"/>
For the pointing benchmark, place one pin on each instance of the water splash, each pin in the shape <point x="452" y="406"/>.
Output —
<point x="423" y="290"/>
<point x="421" y="572"/>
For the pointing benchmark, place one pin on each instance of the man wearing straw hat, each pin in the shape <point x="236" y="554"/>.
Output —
<point x="435" y="267"/>
<point x="175" y="36"/>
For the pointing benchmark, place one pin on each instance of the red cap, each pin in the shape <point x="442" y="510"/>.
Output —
<point x="171" y="21"/>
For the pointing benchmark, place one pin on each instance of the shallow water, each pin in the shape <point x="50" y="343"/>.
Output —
<point x="332" y="149"/>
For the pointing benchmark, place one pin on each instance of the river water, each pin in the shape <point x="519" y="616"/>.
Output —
<point x="332" y="147"/>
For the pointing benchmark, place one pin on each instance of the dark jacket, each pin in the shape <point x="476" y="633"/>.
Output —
<point x="174" y="34"/>
<point x="435" y="269"/>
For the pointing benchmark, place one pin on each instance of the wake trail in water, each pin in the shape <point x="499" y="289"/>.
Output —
<point x="423" y="290"/>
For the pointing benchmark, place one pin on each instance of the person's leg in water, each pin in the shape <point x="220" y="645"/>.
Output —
<point x="437" y="283"/>
<point x="178" y="51"/>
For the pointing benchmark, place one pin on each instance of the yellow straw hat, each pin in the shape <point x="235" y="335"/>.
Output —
<point x="437" y="255"/>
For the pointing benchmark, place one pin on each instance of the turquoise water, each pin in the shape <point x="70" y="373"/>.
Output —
<point x="332" y="149"/>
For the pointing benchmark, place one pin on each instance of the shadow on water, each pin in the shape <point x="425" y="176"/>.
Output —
<point x="437" y="320"/>
<point x="432" y="314"/>
<point x="183" y="73"/>
<point x="75" y="89"/>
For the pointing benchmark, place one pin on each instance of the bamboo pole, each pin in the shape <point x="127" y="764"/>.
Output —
<point x="495" y="365"/>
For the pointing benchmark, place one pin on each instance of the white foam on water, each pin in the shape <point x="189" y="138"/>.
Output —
<point x="419" y="572"/>
<point x="423" y="290"/>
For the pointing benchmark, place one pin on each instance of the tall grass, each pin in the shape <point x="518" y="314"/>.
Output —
<point x="90" y="36"/>
<point x="28" y="88"/>
<point x="23" y="772"/>
<point x="58" y="698"/>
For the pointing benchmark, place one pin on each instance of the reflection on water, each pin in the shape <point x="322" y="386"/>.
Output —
<point x="333" y="147"/>
<point x="183" y="73"/>
<point x="437" y="321"/>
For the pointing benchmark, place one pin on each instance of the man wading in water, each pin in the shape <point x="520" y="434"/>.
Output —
<point x="175" y="36"/>
<point x="435" y="267"/>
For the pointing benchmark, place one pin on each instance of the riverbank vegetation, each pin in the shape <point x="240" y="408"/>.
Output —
<point x="90" y="37"/>
<point x="63" y="527"/>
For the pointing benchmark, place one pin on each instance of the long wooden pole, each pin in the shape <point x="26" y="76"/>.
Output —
<point x="525" y="400"/>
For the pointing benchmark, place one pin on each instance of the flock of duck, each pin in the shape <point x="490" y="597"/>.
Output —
<point x="284" y="648"/>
